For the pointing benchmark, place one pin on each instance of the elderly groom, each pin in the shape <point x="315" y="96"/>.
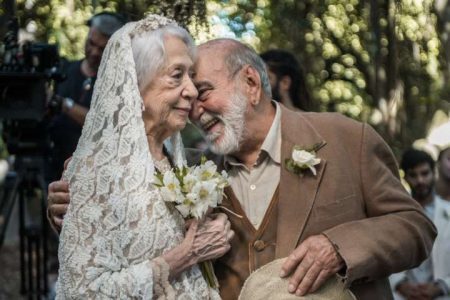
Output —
<point x="350" y="216"/>
<point x="353" y="216"/>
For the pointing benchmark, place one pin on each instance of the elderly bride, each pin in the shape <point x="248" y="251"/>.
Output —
<point x="119" y="238"/>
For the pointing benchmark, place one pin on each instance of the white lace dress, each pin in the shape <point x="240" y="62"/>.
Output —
<point x="115" y="255"/>
<point x="117" y="225"/>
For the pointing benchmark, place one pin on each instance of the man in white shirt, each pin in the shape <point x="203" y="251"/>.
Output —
<point x="441" y="250"/>
<point x="423" y="282"/>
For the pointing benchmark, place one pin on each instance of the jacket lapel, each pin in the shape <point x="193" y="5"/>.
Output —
<point x="297" y="193"/>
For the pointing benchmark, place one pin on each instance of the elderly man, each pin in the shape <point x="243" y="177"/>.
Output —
<point x="340" y="211"/>
<point x="349" y="214"/>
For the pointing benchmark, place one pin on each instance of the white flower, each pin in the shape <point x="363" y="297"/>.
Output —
<point x="203" y="195"/>
<point x="205" y="171"/>
<point x="170" y="191"/>
<point x="184" y="209"/>
<point x="304" y="159"/>
<point x="193" y="189"/>
<point x="189" y="181"/>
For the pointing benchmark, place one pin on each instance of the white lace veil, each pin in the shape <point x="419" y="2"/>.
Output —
<point x="112" y="159"/>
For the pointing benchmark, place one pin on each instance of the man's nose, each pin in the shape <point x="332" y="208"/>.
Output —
<point x="421" y="179"/>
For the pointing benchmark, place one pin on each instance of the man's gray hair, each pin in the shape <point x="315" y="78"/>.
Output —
<point x="242" y="55"/>
<point x="149" y="52"/>
<point x="106" y="23"/>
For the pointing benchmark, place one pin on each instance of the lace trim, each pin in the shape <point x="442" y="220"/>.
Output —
<point x="162" y="287"/>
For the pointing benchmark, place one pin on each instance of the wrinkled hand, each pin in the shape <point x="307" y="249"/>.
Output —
<point x="212" y="237"/>
<point x="58" y="202"/>
<point x="204" y="240"/>
<point x="311" y="264"/>
<point x="409" y="291"/>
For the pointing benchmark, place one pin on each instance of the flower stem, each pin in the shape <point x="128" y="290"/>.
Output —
<point x="208" y="273"/>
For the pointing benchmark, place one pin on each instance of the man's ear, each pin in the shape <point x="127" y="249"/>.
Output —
<point x="285" y="83"/>
<point x="252" y="84"/>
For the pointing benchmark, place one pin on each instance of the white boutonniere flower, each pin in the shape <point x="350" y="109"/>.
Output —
<point x="303" y="159"/>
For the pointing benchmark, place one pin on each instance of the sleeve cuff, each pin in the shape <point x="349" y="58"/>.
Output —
<point x="161" y="271"/>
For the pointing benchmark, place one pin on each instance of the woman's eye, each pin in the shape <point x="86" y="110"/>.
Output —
<point x="177" y="75"/>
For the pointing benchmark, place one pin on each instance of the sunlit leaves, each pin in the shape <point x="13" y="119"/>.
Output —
<point x="63" y="22"/>
<point x="359" y="54"/>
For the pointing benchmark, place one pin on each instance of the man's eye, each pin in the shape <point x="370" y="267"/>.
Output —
<point x="202" y="94"/>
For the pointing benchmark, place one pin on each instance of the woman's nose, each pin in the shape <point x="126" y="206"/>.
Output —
<point x="190" y="91"/>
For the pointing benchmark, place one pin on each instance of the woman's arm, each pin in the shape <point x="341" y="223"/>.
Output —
<point x="96" y="250"/>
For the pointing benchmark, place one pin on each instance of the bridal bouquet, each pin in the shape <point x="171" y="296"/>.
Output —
<point x="193" y="190"/>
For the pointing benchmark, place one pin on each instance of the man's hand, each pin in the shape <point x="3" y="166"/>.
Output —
<point x="419" y="291"/>
<point x="430" y="290"/>
<point x="312" y="263"/>
<point x="58" y="202"/>
<point x="409" y="290"/>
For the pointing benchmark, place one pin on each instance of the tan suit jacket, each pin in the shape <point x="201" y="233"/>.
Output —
<point x="356" y="200"/>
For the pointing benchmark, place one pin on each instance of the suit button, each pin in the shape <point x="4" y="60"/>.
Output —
<point x="259" y="245"/>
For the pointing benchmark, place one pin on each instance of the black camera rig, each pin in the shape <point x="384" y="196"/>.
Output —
<point x="26" y="74"/>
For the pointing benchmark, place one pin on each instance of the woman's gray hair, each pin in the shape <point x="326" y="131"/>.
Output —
<point x="149" y="52"/>
<point x="242" y="55"/>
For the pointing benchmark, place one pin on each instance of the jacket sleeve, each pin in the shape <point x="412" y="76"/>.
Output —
<point x="396" y="235"/>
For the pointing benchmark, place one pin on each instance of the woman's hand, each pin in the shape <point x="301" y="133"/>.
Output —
<point x="212" y="238"/>
<point x="205" y="240"/>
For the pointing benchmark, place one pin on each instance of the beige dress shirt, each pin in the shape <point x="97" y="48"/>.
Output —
<point x="255" y="187"/>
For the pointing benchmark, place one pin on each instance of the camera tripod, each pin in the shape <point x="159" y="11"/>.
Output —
<point x="24" y="186"/>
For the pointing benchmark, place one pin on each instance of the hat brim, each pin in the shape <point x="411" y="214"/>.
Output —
<point x="265" y="283"/>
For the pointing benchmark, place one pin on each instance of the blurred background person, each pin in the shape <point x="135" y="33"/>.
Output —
<point x="287" y="79"/>
<point x="443" y="180"/>
<point x="422" y="282"/>
<point x="75" y="92"/>
<point x="441" y="249"/>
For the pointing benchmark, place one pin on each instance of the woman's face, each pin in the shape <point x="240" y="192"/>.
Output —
<point x="168" y="97"/>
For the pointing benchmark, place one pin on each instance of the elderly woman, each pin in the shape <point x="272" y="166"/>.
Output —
<point x="119" y="238"/>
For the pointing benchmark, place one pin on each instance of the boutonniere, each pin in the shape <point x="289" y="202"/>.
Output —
<point x="303" y="159"/>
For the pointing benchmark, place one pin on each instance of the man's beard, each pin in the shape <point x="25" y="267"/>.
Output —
<point x="233" y="121"/>
<point x="422" y="192"/>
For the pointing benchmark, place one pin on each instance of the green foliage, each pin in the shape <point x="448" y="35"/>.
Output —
<point x="63" y="21"/>
<point x="385" y="62"/>
<point x="375" y="61"/>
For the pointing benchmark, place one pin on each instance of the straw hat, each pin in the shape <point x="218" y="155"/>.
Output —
<point x="265" y="283"/>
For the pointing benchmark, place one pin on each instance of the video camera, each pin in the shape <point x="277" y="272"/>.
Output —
<point x="25" y="75"/>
